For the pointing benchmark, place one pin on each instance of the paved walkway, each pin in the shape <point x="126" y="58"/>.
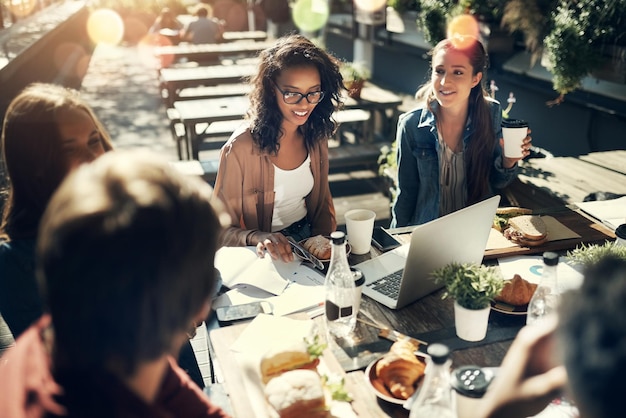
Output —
<point x="122" y="88"/>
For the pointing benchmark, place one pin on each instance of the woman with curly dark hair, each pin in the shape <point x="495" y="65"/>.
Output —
<point x="273" y="173"/>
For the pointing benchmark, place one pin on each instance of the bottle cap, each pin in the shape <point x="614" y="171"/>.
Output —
<point x="338" y="237"/>
<point x="439" y="353"/>
<point x="550" y="258"/>
<point x="471" y="381"/>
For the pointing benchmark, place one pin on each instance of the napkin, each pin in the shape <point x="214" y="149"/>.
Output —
<point x="265" y="331"/>
<point x="262" y="334"/>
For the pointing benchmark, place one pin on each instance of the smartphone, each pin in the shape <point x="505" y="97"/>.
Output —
<point x="244" y="311"/>
<point x="383" y="240"/>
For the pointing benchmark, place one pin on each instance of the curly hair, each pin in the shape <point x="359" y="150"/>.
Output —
<point x="265" y="116"/>
<point x="481" y="144"/>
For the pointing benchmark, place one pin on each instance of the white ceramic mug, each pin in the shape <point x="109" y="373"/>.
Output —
<point x="513" y="132"/>
<point x="359" y="226"/>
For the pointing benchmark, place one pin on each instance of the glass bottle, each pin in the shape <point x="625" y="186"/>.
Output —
<point x="340" y="290"/>
<point x="546" y="297"/>
<point x="435" y="397"/>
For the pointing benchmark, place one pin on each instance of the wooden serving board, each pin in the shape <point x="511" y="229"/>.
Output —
<point x="590" y="231"/>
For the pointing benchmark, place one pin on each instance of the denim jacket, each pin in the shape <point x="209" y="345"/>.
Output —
<point x="417" y="201"/>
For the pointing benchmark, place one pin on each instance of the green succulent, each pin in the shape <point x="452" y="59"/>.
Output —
<point x="471" y="285"/>
<point x="589" y="255"/>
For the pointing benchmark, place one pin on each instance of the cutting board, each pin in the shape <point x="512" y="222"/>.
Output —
<point x="590" y="231"/>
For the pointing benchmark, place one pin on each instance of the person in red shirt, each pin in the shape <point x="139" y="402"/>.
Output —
<point x="125" y="262"/>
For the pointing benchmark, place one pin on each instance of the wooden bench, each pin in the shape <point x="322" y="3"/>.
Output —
<point x="218" y="131"/>
<point x="354" y="120"/>
<point x="221" y="129"/>
<point x="211" y="92"/>
<point x="345" y="157"/>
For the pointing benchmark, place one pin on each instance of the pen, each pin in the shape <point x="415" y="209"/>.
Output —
<point x="314" y="306"/>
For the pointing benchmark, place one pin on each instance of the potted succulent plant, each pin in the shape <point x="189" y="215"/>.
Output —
<point x="473" y="287"/>
<point x="589" y="255"/>
<point x="354" y="74"/>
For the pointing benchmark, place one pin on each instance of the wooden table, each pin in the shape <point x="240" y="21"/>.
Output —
<point x="383" y="103"/>
<point x="430" y="314"/>
<point x="431" y="319"/>
<point x="244" y="35"/>
<point x="208" y="52"/>
<point x="571" y="179"/>
<point x="208" y="111"/>
<point x="174" y="79"/>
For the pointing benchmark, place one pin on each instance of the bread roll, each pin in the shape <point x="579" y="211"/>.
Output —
<point x="503" y="214"/>
<point x="319" y="246"/>
<point x="513" y="211"/>
<point x="297" y="394"/>
<point x="517" y="291"/>
<point x="532" y="227"/>
<point x="281" y="359"/>
<point x="399" y="369"/>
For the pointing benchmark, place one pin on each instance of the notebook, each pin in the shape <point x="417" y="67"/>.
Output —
<point x="402" y="276"/>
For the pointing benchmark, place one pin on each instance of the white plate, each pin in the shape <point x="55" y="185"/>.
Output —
<point x="507" y="309"/>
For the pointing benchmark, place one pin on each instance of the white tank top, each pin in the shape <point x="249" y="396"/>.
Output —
<point x="290" y="189"/>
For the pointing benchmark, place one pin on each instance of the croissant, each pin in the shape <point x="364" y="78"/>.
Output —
<point x="399" y="369"/>
<point x="517" y="291"/>
<point x="319" y="246"/>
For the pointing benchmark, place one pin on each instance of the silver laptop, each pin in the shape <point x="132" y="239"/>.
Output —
<point x="402" y="276"/>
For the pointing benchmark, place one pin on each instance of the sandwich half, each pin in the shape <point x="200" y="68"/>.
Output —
<point x="527" y="230"/>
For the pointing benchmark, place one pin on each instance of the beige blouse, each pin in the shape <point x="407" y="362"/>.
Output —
<point x="453" y="192"/>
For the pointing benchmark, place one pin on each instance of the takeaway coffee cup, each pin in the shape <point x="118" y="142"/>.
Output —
<point x="514" y="131"/>
<point x="360" y="225"/>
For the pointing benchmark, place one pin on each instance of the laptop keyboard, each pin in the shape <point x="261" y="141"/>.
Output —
<point x="389" y="285"/>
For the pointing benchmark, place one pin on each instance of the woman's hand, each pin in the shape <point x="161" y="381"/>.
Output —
<point x="274" y="243"/>
<point x="510" y="162"/>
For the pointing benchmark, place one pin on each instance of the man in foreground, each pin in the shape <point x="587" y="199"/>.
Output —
<point x="583" y="354"/>
<point x="125" y="252"/>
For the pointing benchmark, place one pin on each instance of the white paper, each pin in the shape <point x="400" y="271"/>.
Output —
<point x="531" y="267"/>
<point x="241" y="266"/>
<point x="305" y="291"/>
<point x="612" y="212"/>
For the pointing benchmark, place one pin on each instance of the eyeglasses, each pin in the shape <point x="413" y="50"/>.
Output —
<point x="292" y="97"/>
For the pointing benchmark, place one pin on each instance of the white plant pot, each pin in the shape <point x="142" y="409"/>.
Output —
<point x="471" y="324"/>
